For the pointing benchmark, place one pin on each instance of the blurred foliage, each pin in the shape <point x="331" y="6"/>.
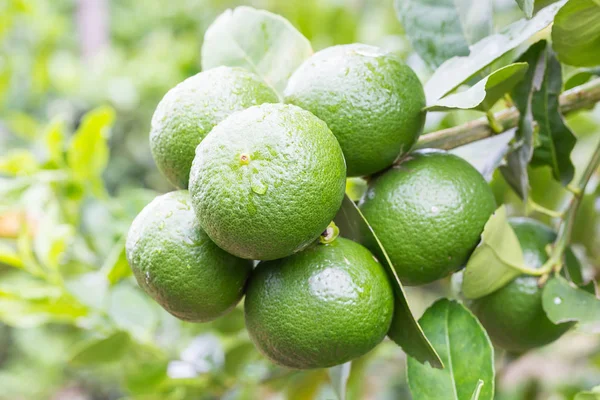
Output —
<point x="75" y="169"/>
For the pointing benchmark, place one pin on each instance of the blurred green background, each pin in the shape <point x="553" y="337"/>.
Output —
<point x="79" y="81"/>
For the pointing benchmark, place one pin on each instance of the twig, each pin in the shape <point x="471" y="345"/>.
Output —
<point x="578" y="98"/>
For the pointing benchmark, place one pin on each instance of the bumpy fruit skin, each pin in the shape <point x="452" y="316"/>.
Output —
<point x="192" y="108"/>
<point x="428" y="212"/>
<point x="369" y="98"/>
<point x="267" y="181"/>
<point x="176" y="263"/>
<point x="318" y="308"/>
<point x="513" y="315"/>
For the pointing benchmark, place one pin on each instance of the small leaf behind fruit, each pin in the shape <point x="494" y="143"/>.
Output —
<point x="466" y="351"/>
<point x="496" y="260"/>
<point x="441" y="29"/>
<point x="405" y="330"/>
<point x="485" y="93"/>
<point x="576" y="33"/>
<point x="564" y="302"/>
<point x="257" y="40"/>
<point x="457" y="70"/>
<point x="526" y="6"/>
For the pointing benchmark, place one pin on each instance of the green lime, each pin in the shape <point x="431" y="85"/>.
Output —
<point x="267" y="181"/>
<point x="321" y="307"/>
<point x="192" y="108"/>
<point x="176" y="263"/>
<point x="428" y="212"/>
<point x="513" y="315"/>
<point x="369" y="98"/>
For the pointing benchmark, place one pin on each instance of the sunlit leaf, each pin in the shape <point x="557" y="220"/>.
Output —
<point x="90" y="289"/>
<point x="405" y="330"/>
<point x="496" y="259"/>
<point x="439" y="30"/>
<point x="576" y="33"/>
<point x="87" y="153"/>
<point x="54" y="137"/>
<point x="458" y="70"/>
<point x="556" y="141"/>
<point x="257" y="40"/>
<point x="94" y="352"/>
<point x="338" y="376"/>
<point x="485" y="93"/>
<point x="466" y="351"/>
<point x="517" y="160"/>
<point x="132" y="311"/>
<point x="565" y="302"/>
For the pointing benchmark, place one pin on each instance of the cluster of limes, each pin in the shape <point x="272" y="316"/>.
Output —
<point x="261" y="178"/>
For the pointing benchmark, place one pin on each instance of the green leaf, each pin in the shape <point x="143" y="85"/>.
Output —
<point x="517" y="160"/>
<point x="564" y="302"/>
<point x="54" y="137"/>
<point x="593" y="394"/>
<point x="18" y="162"/>
<point x="257" y="40"/>
<point x="496" y="260"/>
<point x="87" y="154"/>
<point x="338" y="376"/>
<point x="556" y="141"/>
<point x="485" y="93"/>
<point x="115" y="266"/>
<point x="465" y="349"/>
<point x="580" y="76"/>
<point x="457" y="70"/>
<point x="405" y="330"/>
<point x="8" y="256"/>
<point x="527" y="7"/>
<point x="90" y="289"/>
<point x="576" y="33"/>
<point x="441" y="29"/>
<point x="109" y="349"/>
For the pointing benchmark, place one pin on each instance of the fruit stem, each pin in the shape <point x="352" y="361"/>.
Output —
<point x="563" y="239"/>
<point x="580" y="97"/>
<point x="543" y="210"/>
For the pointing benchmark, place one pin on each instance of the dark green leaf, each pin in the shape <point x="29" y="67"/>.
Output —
<point x="576" y="33"/>
<point x="466" y="351"/>
<point x="565" y="302"/>
<point x="495" y="261"/>
<point x="257" y="40"/>
<point x="556" y="141"/>
<point x="517" y="160"/>
<point x="106" y="350"/>
<point x="458" y="70"/>
<point x="526" y="6"/>
<point x="405" y="330"/>
<point x="441" y="29"/>
<point x="338" y="376"/>
<point x="485" y="93"/>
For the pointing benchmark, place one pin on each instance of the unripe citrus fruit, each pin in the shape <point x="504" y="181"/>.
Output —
<point x="192" y="108"/>
<point x="428" y="212"/>
<point x="369" y="98"/>
<point x="267" y="181"/>
<point x="513" y="315"/>
<point x="176" y="263"/>
<point x="318" y="308"/>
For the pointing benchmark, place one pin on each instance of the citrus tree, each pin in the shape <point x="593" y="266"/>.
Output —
<point x="315" y="166"/>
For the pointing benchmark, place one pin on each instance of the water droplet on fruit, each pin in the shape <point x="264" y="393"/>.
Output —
<point x="557" y="300"/>
<point x="147" y="277"/>
<point x="257" y="186"/>
<point x="435" y="210"/>
<point x="244" y="159"/>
